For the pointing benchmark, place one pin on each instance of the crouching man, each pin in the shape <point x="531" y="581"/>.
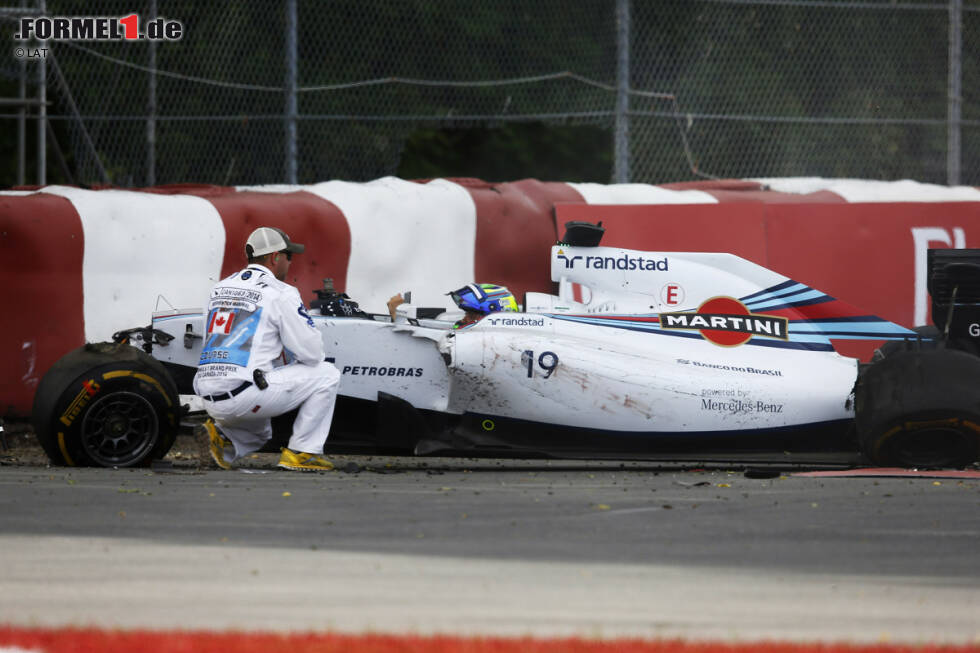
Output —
<point x="253" y="316"/>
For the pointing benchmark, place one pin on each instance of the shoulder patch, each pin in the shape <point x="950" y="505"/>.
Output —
<point x="303" y="313"/>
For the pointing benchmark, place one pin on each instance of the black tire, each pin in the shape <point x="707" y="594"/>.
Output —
<point x="920" y="409"/>
<point x="106" y="405"/>
<point x="930" y="337"/>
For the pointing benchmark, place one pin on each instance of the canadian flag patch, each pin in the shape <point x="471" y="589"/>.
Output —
<point x="221" y="322"/>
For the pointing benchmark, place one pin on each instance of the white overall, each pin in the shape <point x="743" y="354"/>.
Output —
<point x="254" y="322"/>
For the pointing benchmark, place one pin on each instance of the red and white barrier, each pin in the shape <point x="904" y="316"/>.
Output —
<point x="857" y="191"/>
<point x="139" y="246"/>
<point x="81" y="264"/>
<point x="403" y="236"/>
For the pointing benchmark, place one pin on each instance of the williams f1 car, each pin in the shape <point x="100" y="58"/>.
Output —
<point x="640" y="354"/>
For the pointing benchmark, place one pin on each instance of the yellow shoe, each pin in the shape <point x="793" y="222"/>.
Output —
<point x="221" y="447"/>
<point x="304" y="462"/>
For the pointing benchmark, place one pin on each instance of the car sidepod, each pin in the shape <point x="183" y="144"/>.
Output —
<point x="585" y="384"/>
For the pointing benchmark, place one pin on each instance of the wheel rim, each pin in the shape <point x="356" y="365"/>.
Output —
<point x="119" y="429"/>
<point x="934" y="447"/>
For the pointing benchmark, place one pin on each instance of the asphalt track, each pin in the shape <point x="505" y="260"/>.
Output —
<point x="494" y="548"/>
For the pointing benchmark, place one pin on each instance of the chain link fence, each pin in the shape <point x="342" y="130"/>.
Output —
<point x="265" y="92"/>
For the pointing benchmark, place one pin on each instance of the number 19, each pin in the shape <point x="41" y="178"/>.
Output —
<point x="547" y="361"/>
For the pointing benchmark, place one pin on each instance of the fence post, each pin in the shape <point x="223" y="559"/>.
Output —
<point x="291" y="60"/>
<point x="22" y="118"/>
<point x="151" y="106"/>
<point x="621" y="142"/>
<point x="955" y="86"/>
<point x="42" y="112"/>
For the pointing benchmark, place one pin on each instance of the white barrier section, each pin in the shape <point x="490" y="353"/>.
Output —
<point x="640" y="194"/>
<point x="139" y="246"/>
<point x="405" y="236"/>
<point x="865" y="190"/>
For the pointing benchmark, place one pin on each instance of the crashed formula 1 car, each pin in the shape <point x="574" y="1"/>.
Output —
<point x="640" y="354"/>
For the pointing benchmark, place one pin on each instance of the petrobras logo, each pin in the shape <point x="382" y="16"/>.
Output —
<point x="621" y="262"/>
<point x="727" y="322"/>
<point x="370" y="370"/>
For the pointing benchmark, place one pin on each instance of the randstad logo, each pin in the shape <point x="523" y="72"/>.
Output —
<point x="624" y="262"/>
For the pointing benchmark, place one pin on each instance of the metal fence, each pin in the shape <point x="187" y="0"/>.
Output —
<point x="302" y="91"/>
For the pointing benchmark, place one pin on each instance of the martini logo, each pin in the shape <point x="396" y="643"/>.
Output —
<point x="727" y="322"/>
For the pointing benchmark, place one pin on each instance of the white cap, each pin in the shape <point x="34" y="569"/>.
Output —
<point x="266" y="240"/>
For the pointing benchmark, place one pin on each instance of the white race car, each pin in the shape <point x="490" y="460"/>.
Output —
<point x="639" y="354"/>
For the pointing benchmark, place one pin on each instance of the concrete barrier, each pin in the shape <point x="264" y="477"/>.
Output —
<point x="81" y="264"/>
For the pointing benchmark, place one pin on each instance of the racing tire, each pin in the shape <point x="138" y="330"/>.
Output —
<point x="929" y="338"/>
<point x="106" y="405"/>
<point x="920" y="409"/>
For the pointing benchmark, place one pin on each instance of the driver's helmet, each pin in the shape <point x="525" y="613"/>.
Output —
<point x="484" y="298"/>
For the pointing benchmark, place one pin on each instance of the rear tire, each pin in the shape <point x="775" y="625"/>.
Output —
<point x="929" y="338"/>
<point x="106" y="405"/>
<point x="920" y="409"/>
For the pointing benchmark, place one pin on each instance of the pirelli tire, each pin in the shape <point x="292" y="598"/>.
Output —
<point x="106" y="405"/>
<point x="920" y="409"/>
<point x="928" y="337"/>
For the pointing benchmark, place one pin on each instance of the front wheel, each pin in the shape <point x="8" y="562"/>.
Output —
<point x="107" y="405"/>
<point x="920" y="409"/>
